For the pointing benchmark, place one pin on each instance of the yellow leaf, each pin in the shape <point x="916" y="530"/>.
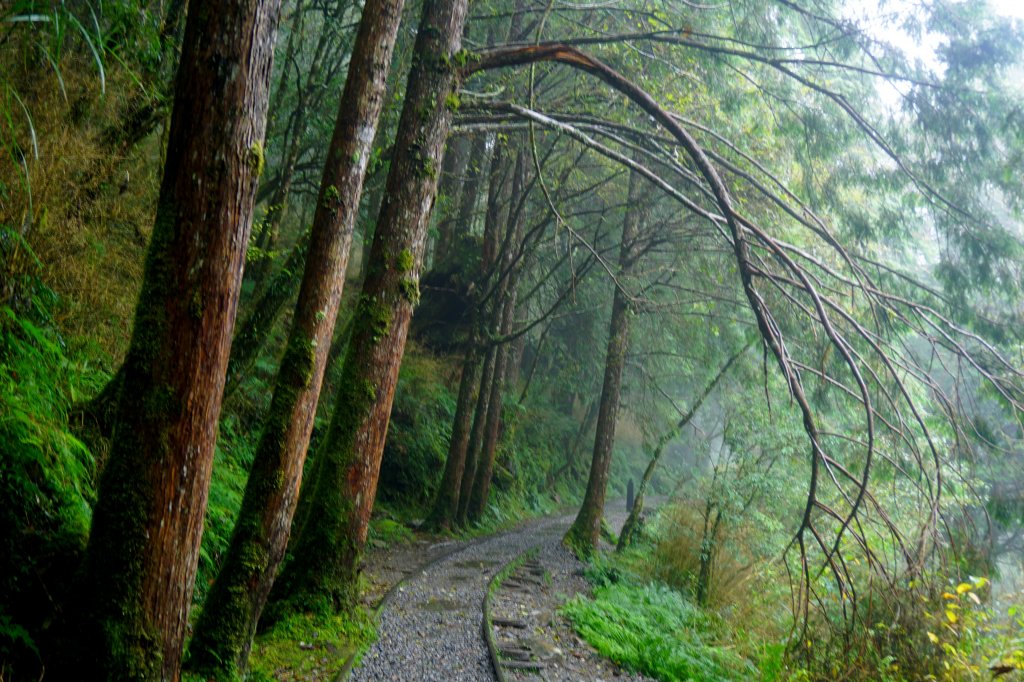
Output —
<point x="963" y="587"/>
<point x="948" y="595"/>
<point x="932" y="636"/>
<point x="951" y="616"/>
<point x="974" y="598"/>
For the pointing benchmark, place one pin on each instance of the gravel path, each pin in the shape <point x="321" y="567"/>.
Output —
<point x="431" y="627"/>
<point x="535" y="642"/>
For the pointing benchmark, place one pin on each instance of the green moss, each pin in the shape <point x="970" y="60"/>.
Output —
<point x="374" y="316"/>
<point x="410" y="289"/>
<point x="331" y="196"/>
<point x="464" y="57"/>
<point x="369" y="391"/>
<point x="404" y="262"/>
<point x="257" y="158"/>
<point x="452" y="102"/>
<point x="578" y="542"/>
<point x="297" y="646"/>
<point x="429" y="168"/>
<point x="195" y="306"/>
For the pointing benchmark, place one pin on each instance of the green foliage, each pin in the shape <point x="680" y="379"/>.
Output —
<point x="652" y="629"/>
<point x="417" y="444"/>
<point x="232" y="460"/>
<point x="46" y="477"/>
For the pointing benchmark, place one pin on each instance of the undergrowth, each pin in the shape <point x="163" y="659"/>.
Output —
<point x="652" y="629"/>
<point x="46" y="476"/>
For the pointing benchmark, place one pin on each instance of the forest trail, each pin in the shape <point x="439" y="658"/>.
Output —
<point x="431" y="626"/>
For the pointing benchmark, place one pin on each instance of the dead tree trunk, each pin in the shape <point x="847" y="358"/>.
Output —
<point x="225" y="630"/>
<point x="323" y="572"/>
<point x="585" y="532"/>
<point x="136" y="580"/>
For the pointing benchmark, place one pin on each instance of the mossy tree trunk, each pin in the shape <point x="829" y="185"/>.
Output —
<point x="129" y="618"/>
<point x="322" y="574"/>
<point x="225" y="630"/>
<point x="708" y="552"/>
<point x="585" y="531"/>
<point x="476" y="436"/>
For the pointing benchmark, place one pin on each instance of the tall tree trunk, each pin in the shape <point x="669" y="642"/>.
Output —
<point x="446" y="504"/>
<point x="505" y="308"/>
<point x="140" y="564"/>
<point x="585" y="532"/>
<point x="476" y="437"/>
<point x="474" y="174"/>
<point x="259" y="271"/>
<point x="225" y="630"/>
<point x="481" y="481"/>
<point x="492" y="230"/>
<point x="708" y="550"/>
<point x="631" y="528"/>
<point x="575" y="450"/>
<point x="323" y="572"/>
<point x="453" y="171"/>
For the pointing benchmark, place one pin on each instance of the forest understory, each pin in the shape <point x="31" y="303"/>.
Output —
<point x="513" y="339"/>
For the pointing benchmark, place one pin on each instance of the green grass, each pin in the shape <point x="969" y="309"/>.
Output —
<point x="653" y="630"/>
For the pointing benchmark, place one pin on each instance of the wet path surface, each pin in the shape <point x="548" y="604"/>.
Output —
<point x="431" y="627"/>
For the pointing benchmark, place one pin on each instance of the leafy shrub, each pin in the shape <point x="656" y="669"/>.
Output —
<point x="654" y="630"/>
<point x="421" y="422"/>
<point x="685" y="538"/>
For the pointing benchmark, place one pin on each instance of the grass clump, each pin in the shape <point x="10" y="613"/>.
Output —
<point x="652" y="629"/>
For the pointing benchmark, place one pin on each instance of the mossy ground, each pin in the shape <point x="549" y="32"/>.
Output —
<point x="308" y="647"/>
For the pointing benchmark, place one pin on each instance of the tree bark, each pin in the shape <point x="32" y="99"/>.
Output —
<point x="505" y="309"/>
<point x="476" y="437"/>
<point x="225" y="630"/>
<point x="585" y="532"/>
<point x="446" y="504"/>
<point x="137" y="576"/>
<point x="322" y="576"/>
